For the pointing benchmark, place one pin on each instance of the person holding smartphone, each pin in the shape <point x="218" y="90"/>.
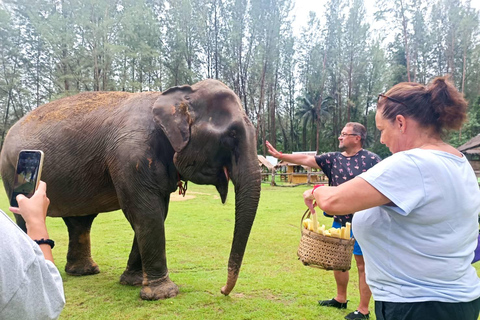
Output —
<point x="30" y="285"/>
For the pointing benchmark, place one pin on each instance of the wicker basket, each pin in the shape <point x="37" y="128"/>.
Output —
<point x="319" y="251"/>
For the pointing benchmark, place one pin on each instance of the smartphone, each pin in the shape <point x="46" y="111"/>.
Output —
<point x="27" y="174"/>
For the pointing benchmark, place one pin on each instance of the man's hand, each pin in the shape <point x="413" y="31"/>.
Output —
<point x="274" y="152"/>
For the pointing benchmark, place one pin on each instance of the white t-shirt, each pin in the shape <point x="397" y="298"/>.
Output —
<point x="30" y="286"/>
<point x="422" y="248"/>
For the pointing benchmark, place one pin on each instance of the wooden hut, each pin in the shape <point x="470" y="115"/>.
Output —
<point x="471" y="150"/>
<point x="266" y="168"/>
<point x="297" y="174"/>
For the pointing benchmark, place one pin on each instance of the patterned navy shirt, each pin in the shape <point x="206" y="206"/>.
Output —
<point x="340" y="169"/>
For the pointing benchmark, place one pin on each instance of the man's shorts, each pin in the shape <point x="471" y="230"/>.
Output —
<point x="356" y="248"/>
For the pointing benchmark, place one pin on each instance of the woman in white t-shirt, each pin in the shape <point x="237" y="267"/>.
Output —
<point x="417" y="211"/>
<point x="31" y="287"/>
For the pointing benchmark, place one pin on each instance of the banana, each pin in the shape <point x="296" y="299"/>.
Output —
<point x="306" y="223"/>
<point x="314" y="223"/>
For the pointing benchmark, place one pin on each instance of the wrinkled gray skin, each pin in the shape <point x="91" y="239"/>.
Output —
<point x="114" y="150"/>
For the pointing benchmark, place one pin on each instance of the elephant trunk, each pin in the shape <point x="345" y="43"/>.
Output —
<point x="246" y="178"/>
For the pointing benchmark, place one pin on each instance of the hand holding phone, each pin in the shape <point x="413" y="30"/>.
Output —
<point x="27" y="174"/>
<point x="34" y="209"/>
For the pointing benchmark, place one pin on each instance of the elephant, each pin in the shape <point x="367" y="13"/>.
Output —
<point x="106" y="151"/>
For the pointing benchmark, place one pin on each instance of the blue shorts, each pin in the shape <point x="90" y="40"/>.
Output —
<point x="356" y="248"/>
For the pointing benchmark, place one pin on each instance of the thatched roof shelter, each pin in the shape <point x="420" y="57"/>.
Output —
<point x="472" y="146"/>
<point x="263" y="161"/>
<point x="471" y="149"/>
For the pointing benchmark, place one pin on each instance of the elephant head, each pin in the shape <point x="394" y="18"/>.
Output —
<point x="214" y="141"/>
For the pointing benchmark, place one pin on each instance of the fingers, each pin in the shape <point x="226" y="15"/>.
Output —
<point x="20" y="198"/>
<point x="36" y="205"/>
<point x="14" y="210"/>
<point x="42" y="186"/>
<point x="41" y="193"/>
<point x="308" y="195"/>
<point x="309" y="200"/>
<point x="312" y="209"/>
<point x="42" y="189"/>
<point x="271" y="149"/>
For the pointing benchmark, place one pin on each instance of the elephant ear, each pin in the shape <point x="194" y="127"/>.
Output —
<point x="170" y="112"/>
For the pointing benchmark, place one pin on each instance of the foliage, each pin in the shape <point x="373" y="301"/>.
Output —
<point x="338" y="62"/>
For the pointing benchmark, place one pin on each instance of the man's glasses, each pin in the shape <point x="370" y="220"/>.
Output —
<point x="381" y="95"/>
<point x="343" y="135"/>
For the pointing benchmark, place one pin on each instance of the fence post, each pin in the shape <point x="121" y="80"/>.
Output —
<point x="272" y="183"/>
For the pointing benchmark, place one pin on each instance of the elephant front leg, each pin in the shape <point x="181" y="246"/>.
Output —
<point x="133" y="274"/>
<point x="150" y="237"/>
<point x="79" y="258"/>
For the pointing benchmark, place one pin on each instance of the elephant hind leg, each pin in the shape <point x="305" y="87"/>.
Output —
<point x="133" y="274"/>
<point x="79" y="258"/>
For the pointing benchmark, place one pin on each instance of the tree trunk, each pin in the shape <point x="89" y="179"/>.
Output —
<point x="5" y="120"/>
<point x="405" y="39"/>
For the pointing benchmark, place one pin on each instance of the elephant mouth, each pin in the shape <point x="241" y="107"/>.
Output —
<point x="217" y="175"/>
<point x="222" y="187"/>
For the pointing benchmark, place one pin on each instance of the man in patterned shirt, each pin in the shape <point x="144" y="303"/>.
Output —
<point x="340" y="167"/>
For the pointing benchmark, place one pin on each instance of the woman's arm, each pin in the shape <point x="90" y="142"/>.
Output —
<point x="351" y="196"/>
<point x="34" y="212"/>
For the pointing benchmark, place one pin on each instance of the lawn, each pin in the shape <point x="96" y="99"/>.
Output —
<point x="272" y="284"/>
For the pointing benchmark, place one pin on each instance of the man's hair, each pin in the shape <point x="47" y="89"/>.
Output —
<point x="359" y="129"/>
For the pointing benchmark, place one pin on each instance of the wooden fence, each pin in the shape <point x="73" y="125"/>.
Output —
<point x="295" y="178"/>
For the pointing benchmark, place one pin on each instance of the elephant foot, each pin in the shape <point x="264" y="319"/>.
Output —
<point x="131" y="278"/>
<point x="82" y="268"/>
<point x="159" y="289"/>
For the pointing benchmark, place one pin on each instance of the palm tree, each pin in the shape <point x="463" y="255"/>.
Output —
<point x="313" y="114"/>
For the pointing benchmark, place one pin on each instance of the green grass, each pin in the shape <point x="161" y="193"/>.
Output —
<point x="272" y="284"/>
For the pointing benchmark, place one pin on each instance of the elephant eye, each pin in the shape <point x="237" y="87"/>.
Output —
<point x="233" y="134"/>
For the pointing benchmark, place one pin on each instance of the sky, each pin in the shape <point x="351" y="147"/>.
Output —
<point x="303" y="7"/>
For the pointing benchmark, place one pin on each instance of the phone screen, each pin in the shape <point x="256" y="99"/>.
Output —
<point x="27" y="175"/>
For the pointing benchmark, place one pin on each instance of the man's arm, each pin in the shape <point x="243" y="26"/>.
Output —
<point x="301" y="159"/>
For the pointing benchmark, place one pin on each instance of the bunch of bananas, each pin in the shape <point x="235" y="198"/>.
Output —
<point x="314" y="225"/>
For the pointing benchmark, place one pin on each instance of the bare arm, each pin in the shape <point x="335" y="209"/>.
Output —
<point x="34" y="212"/>
<point x="351" y="196"/>
<point x="301" y="159"/>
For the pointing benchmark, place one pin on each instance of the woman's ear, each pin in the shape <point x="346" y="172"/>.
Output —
<point x="401" y="123"/>
<point x="171" y="113"/>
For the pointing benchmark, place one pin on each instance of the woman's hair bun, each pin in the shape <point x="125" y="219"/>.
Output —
<point x="448" y="103"/>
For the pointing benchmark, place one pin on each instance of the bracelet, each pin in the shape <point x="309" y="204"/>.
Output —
<point x="50" y="242"/>
<point x="316" y="186"/>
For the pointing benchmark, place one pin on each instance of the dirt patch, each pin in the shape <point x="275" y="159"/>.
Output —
<point x="174" y="196"/>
